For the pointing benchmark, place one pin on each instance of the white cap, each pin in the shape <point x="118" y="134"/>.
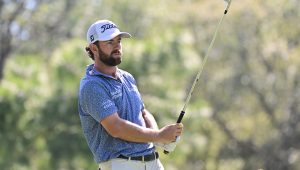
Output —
<point x="103" y="30"/>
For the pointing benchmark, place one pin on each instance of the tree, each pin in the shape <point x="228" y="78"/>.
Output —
<point x="254" y="81"/>
<point x="26" y="26"/>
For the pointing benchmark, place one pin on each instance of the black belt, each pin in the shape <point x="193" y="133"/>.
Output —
<point x="144" y="158"/>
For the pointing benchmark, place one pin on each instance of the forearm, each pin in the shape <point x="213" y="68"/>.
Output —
<point x="126" y="130"/>
<point x="149" y="119"/>
<point x="132" y="132"/>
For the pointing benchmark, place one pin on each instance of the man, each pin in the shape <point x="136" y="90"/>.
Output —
<point x="119" y="131"/>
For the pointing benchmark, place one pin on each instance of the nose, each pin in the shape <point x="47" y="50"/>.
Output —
<point x="117" y="45"/>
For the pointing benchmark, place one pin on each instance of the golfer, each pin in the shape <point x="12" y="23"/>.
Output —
<point x="120" y="132"/>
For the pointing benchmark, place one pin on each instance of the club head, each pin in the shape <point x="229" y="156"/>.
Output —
<point x="227" y="1"/>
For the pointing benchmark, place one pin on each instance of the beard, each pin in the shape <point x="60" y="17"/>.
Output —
<point x="109" y="59"/>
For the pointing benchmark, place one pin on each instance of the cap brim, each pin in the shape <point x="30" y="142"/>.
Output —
<point x="125" y="35"/>
<point x="122" y="34"/>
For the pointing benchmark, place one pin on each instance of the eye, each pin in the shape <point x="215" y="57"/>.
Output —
<point x="119" y="40"/>
<point x="109" y="42"/>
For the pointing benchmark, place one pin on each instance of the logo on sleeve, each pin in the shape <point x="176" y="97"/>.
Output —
<point x="116" y="94"/>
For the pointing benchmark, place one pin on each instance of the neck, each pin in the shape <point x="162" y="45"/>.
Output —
<point x="108" y="70"/>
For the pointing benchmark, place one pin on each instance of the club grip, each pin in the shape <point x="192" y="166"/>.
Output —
<point x="178" y="121"/>
<point x="180" y="116"/>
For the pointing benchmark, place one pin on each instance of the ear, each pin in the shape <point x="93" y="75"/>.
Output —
<point x="94" y="48"/>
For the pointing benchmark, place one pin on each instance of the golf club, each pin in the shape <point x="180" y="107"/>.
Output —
<point x="202" y="66"/>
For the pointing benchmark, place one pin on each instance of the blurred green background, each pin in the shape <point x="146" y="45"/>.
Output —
<point x="244" y="112"/>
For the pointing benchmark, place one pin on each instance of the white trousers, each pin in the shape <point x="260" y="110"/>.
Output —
<point x="123" y="164"/>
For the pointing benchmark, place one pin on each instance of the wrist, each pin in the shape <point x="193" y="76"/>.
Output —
<point x="155" y="136"/>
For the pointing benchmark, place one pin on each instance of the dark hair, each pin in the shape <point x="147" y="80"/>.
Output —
<point x="90" y="52"/>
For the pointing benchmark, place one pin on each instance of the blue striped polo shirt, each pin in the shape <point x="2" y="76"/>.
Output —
<point x="102" y="95"/>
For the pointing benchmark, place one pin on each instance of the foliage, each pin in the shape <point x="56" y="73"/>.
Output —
<point x="243" y="114"/>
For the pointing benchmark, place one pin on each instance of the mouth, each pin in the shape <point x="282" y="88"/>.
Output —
<point x="117" y="52"/>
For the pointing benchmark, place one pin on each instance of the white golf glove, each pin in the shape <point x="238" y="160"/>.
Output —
<point x="170" y="147"/>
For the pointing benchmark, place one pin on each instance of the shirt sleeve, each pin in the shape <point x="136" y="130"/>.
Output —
<point x="96" y="101"/>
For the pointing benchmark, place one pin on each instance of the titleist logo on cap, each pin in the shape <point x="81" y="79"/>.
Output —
<point x="107" y="26"/>
<point x="104" y="30"/>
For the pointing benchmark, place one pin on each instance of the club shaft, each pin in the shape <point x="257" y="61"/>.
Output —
<point x="201" y="68"/>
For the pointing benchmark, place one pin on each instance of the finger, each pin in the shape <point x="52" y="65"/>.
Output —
<point x="178" y="133"/>
<point x="179" y="130"/>
<point x="179" y="126"/>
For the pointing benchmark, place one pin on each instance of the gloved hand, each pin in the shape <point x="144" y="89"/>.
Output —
<point x="170" y="147"/>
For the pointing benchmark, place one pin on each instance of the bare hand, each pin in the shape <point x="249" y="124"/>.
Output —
<point x="169" y="133"/>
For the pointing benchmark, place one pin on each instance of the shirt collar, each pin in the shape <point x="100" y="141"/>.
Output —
<point x="91" y="71"/>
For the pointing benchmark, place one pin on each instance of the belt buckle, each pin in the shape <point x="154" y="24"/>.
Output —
<point x="143" y="158"/>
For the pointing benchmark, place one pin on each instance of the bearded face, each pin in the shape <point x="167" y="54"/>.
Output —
<point x="112" y="59"/>
<point x="110" y="52"/>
